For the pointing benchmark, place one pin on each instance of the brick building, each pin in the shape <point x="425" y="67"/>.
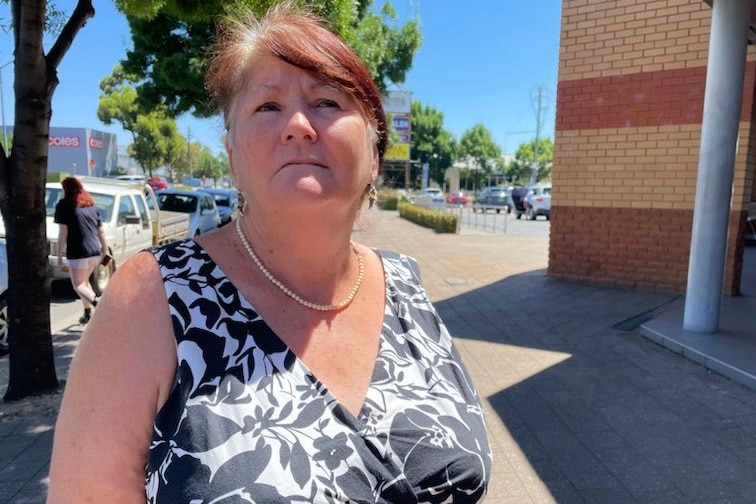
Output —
<point x="628" y="144"/>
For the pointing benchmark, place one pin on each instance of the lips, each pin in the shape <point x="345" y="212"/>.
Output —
<point x="309" y="162"/>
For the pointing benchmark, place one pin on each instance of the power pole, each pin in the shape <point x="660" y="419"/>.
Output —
<point x="534" y="170"/>
<point x="189" y="154"/>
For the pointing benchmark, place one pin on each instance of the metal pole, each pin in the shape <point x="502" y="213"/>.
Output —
<point x="189" y="154"/>
<point x="716" y="164"/>
<point x="534" y="171"/>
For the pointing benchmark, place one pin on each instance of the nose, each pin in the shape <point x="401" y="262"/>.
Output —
<point x="298" y="127"/>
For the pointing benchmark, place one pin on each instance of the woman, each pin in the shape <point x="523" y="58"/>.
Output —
<point x="274" y="360"/>
<point x="81" y="238"/>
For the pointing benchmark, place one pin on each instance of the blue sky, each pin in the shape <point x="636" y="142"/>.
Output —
<point x="482" y="61"/>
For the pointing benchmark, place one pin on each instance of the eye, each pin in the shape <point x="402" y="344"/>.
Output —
<point x="326" y="103"/>
<point x="268" y="107"/>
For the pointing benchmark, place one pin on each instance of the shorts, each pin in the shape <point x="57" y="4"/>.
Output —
<point x="84" y="262"/>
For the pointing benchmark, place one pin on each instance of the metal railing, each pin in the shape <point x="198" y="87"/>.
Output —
<point x="482" y="217"/>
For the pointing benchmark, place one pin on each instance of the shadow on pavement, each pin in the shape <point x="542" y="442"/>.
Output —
<point x="580" y="411"/>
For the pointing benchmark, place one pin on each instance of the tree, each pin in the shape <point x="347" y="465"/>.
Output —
<point x="484" y="155"/>
<point x="156" y="141"/>
<point x="431" y="143"/>
<point x="23" y="173"/>
<point x="171" y="40"/>
<point x="118" y="101"/>
<point x="521" y="168"/>
<point x="209" y="166"/>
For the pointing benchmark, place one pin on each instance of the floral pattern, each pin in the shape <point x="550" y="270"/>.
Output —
<point x="247" y="422"/>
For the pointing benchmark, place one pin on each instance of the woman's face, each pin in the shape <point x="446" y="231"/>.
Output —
<point x="296" y="142"/>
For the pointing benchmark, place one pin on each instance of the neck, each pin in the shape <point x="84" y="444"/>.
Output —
<point x="320" y="266"/>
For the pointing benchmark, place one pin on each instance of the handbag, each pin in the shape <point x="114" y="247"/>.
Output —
<point x="106" y="259"/>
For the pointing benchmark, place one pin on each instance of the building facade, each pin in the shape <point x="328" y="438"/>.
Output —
<point x="632" y="76"/>
<point x="82" y="151"/>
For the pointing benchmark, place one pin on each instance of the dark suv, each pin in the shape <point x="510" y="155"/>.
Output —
<point x="495" y="197"/>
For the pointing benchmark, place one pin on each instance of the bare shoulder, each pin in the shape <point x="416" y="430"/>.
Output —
<point x="120" y="376"/>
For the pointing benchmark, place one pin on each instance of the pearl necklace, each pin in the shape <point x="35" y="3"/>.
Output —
<point x="294" y="296"/>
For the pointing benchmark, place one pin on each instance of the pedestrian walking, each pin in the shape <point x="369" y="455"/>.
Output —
<point x="81" y="239"/>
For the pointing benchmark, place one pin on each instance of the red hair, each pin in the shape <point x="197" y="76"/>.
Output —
<point x="301" y="39"/>
<point x="75" y="193"/>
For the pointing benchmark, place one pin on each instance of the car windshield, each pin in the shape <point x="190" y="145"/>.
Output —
<point x="185" y="203"/>
<point x="104" y="202"/>
<point x="222" y="200"/>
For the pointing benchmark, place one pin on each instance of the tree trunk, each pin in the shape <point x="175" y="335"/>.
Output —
<point x="22" y="197"/>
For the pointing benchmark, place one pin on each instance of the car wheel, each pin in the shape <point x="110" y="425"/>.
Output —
<point x="4" y="322"/>
<point x="101" y="277"/>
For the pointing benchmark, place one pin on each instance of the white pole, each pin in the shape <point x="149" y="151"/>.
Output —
<point x="716" y="163"/>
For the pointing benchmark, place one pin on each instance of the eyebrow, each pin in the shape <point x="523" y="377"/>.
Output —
<point x="269" y="86"/>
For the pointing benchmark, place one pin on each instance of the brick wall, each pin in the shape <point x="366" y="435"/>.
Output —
<point x="628" y="125"/>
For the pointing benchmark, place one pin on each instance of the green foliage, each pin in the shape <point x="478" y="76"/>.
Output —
<point x="441" y="222"/>
<point x="520" y="169"/>
<point x="431" y="143"/>
<point x="118" y="101"/>
<point x="156" y="139"/>
<point x="171" y="40"/>
<point x="388" y="199"/>
<point x="478" y="146"/>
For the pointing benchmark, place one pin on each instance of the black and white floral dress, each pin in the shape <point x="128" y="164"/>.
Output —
<point x="247" y="422"/>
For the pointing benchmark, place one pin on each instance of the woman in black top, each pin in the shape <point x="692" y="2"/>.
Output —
<point x="81" y="238"/>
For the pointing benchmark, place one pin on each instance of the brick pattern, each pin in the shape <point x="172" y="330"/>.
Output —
<point x="639" y="248"/>
<point x="651" y="167"/>
<point x="620" y="37"/>
<point x="636" y="100"/>
<point x="629" y="113"/>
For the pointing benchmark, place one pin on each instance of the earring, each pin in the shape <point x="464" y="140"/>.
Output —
<point x="241" y="202"/>
<point x="372" y="194"/>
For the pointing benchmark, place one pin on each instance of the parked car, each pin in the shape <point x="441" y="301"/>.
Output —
<point x="131" y="178"/>
<point x="201" y="207"/>
<point x="3" y="298"/>
<point x="538" y="201"/>
<point x="431" y="197"/>
<point x="495" y="197"/>
<point x="225" y="200"/>
<point x="157" y="182"/>
<point x="457" y="198"/>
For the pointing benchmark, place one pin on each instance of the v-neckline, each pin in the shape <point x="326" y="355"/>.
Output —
<point x="312" y="379"/>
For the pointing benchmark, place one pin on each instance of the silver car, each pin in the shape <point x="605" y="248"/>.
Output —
<point x="203" y="212"/>
<point x="538" y="201"/>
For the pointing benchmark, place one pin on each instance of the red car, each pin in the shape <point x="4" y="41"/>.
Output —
<point x="157" y="183"/>
<point x="457" y="197"/>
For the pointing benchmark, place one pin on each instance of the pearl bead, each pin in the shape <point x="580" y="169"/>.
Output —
<point x="289" y="292"/>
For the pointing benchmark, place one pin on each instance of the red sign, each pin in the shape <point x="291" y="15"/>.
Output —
<point x="96" y="143"/>
<point x="63" y="141"/>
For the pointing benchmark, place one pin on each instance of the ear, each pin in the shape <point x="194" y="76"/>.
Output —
<point x="375" y="164"/>
<point x="230" y="153"/>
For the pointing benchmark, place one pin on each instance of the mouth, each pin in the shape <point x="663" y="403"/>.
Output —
<point x="303" y="162"/>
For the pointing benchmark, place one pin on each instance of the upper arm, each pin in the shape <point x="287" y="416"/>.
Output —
<point x="120" y="376"/>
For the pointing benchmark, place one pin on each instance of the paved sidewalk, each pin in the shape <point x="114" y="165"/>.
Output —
<point x="580" y="407"/>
